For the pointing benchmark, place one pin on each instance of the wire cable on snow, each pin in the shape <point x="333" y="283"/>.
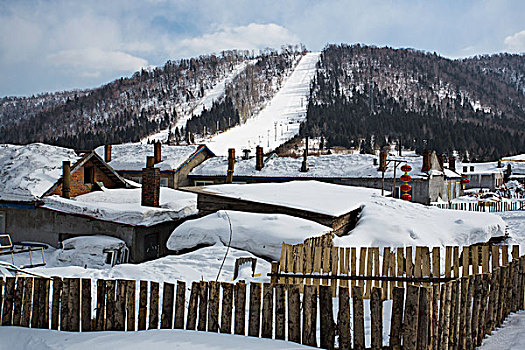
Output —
<point x="228" y="247"/>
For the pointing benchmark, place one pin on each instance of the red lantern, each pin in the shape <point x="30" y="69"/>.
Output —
<point x="465" y="181"/>
<point x="405" y="178"/>
<point x="406" y="187"/>
<point x="406" y="168"/>
<point x="406" y="197"/>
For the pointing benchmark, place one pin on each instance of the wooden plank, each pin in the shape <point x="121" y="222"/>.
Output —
<point x="254" y="319"/>
<point x="119" y="317"/>
<point x="227" y="308"/>
<point x="396" y="321"/>
<point x="515" y="251"/>
<point x="36" y="304"/>
<point x="343" y="320"/>
<point x="436" y="262"/>
<point x="203" y="305"/>
<point x="424" y="318"/>
<point x="448" y="261"/>
<point x="86" y="305"/>
<point x="334" y="269"/>
<point x="376" y="316"/>
<point x="280" y="312"/>
<point x="392" y="272"/>
<point x="447" y="303"/>
<point x="154" y="306"/>
<point x="308" y="262"/>
<point x="468" y="316"/>
<point x="493" y="301"/>
<point x="100" y="316"/>
<point x="434" y="336"/>
<point x="376" y="266"/>
<point x="327" y="338"/>
<point x="495" y="257"/>
<point x="400" y="264"/>
<point x="317" y="263"/>
<point x="466" y="261"/>
<point x="289" y="261"/>
<point x="17" y="301"/>
<point x="359" y="321"/>
<point x="294" y="312"/>
<point x="453" y="334"/>
<point x="310" y="316"/>
<point x="362" y="266"/>
<point x="74" y="304"/>
<point x="64" y="303"/>
<point x="180" y="307"/>
<point x="110" y="304"/>
<point x="326" y="264"/>
<point x="27" y="303"/>
<point x="465" y="304"/>
<point x="384" y="271"/>
<point x="46" y="303"/>
<point x="474" y="253"/>
<point x="267" y="311"/>
<point x="343" y="266"/>
<point x="476" y="306"/>
<point x="410" y="319"/>
<point x="131" y="314"/>
<point x="240" y="308"/>
<point x="409" y="262"/>
<point x="485" y="279"/>
<point x="425" y="267"/>
<point x="9" y="294"/>
<point x="485" y="257"/>
<point x="418" y="263"/>
<point x="369" y="270"/>
<point x="455" y="261"/>
<point x="143" y="305"/>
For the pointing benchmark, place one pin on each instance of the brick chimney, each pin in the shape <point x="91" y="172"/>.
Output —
<point x="452" y="163"/>
<point x="107" y="153"/>
<point x="259" y="161"/>
<point x="66" y="179"/>
<point x="382" y="161"/>
<point x="157" y="152"/>
<point x="150" y="184"/>
<point x="426" y="160"/>
<point x="231" y="165"/>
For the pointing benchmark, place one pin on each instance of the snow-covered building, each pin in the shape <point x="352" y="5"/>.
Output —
<point x="175" y="162"/>
<point x="430" y="183"/>
<point x="49" y="194"/>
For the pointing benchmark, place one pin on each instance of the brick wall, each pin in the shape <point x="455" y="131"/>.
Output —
<point x="78" y="186"/>
<point x="150" y="187"/>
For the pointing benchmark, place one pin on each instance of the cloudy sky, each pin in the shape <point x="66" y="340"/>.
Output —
<point x="51" y="45"/>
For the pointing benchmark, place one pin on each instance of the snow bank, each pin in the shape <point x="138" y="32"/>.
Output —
<point x="259" y="234"/>
<point x="124" y="206"/>
<point x="18" y="338"/>
<point x="132" y="156"/>
<point x="27" y="172"/>
<point x="510" y="336"/>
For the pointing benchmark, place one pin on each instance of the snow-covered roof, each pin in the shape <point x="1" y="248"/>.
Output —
<point x="132" y="156"/>
<point x="517" y="164"/>
<point x="124" y="206"/>
<point x="27" y="172"/>
<point x="324" y="166"/>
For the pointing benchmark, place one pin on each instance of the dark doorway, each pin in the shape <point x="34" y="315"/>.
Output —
<point x="151" y="246"/>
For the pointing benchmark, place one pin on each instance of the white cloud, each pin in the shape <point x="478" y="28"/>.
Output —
<point x="252" y="36"/>
<point x="94" y="58"/>
<point x="516" y="42"/>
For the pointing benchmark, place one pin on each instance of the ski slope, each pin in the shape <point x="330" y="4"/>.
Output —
<point x="279" y="121"/>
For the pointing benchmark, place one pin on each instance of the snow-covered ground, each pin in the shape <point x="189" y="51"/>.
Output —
<point x="511" y="336"/>
<point x="279" y="120"/>
<point x="17" y="338"/>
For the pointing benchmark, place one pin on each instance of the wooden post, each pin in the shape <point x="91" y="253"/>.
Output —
<point x="476" y="309"/>
<point x="359" y="322"/>
<point x="455" y="259"/>
<point x="131" y="313"/>
<point x="227" y="307"/>
<point x="143" y="305"/>
<point x="369" y="271"/>
<point x="154" y="306"/>
<point x="275" y="269"/>
<point x="240" y="308"/>
<point x="376" y="315"/>
<point x="86" y="305"/>
<point x="326" y="264"/>
<point x="317" y="263"/>
<point x="327" y="338"/>
<point x="448" y="261"/>
<point x="485" y="280"/>
<point x="343" y="265"/>
<point x="254" y="319"/>
<point x="504" y="255"/>
<point x="213" y="306"/>
<point x="36" y="305"/>
<point x="119" y="318"/>
<point x="267" y="311"/>
<point x="465" y="304"/>
<point x="310" y="316"/>
<point x="447" y="303"/>
<point x="469" y="313"/>
<point x="110" y="304"/>
<point x="362" y="266"/>
<point x="294" y="313"/>
<point x="385" y="270"/>
<point x="9" y="294"/>
<point x="180" y="301"/>
<point x="353" y="265"/>
<point x="409" y="262"/>
<point x="485" y="259"/>
<point x="74" y="304"/>
<point x="495" y="257"/>
<point x="396" y="321"/>
<point x="425" y="267"/>
<point x="424" y="318"/>
<point x="280" y="311"/>
<point x="101" y="305"/>
<point x="334" y="271"/>
<point x="410" y="321"/>
<point x="28" y="303"/>
<point x="17" y="301"/>
<point x="343" y="320"/>
<point x="453" y="335"/>
<point x="203" y="305"/>
<point x="434" y="337"/>
<point x="466" y="261"/>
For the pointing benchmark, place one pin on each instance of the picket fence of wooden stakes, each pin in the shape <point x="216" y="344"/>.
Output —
<point x="490" y="207"/>
<point x="319" y="262"/>
<point x="452" y="315"/>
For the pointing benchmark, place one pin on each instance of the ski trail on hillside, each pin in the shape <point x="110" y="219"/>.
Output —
<point x="279" y="121"/>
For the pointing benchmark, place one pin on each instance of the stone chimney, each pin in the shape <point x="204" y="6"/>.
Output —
<point x="157" y="152"/>
<point x="441" y="160"/>
<point x="150" y="184"/>
<point x="231" y="165"/>
<point x="499" y="164"/>
<point x="382" y="161"/>
<point x="452" y="163"/>
<point x="259" y="161"/>
<point x="66" y="179"/>
<point x="426" y="160"/>
<point x="107" y="153"/>
<point x="304" y="164"/>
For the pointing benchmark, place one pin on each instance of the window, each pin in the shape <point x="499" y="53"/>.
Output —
<point x="164" y="182"/>
<point x="89" y="175"/>
<point x="203" y="183"/>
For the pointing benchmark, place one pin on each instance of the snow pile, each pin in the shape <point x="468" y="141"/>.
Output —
<point x="510" y="336"/>
<point x="132" y="156"/>
<point x="124" y="206"/>
<point x="279" y="121"/>
<point x="27" y="172"/>
<point x="18" y="338"/>
<point x="87" y="250"/>
<point x="324" y="166"/>
<point x="259" y="234"/>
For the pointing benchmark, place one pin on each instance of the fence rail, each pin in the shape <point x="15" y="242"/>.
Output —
<point x="490" y="207"/>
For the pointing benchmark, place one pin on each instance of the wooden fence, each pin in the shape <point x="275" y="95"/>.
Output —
<point x="452" y="315"/>
<point x="318" y="262"/>
<point x="490" y="207"/>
